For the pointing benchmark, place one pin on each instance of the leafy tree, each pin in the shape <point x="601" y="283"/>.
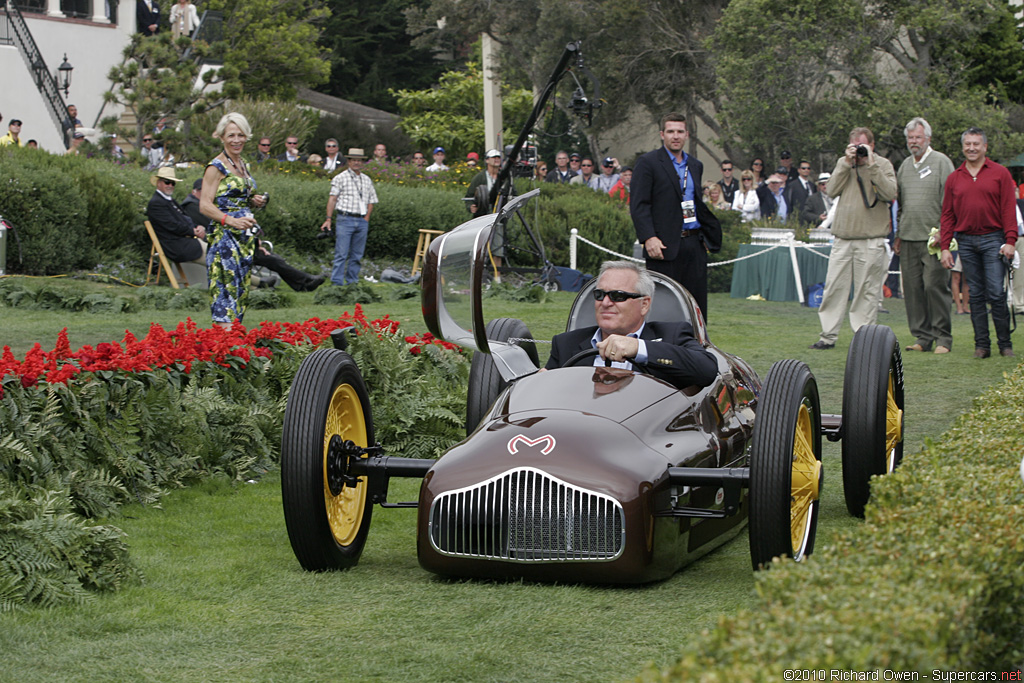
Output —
<point x="371" y="53"/>
<point x="799" y="74"/>
<point x="452" y="113"/>
<point x="645" y="53"/>
<point x="154" y="83"/>
<point x="272" y="44"/>
<point x="267" y="48"/>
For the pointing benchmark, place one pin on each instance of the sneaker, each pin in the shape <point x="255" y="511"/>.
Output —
<point x="821" y="346"/>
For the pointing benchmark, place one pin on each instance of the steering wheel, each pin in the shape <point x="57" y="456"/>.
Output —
<point x="589" y="353"/>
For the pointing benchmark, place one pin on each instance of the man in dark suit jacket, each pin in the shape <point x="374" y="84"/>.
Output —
<point x="623" y="337"/>
<point x="817" y="205"/>
<point x="147" y="17"/>
<point x="799" y="188"/>
<point x="181" y="239"/>
<point x="672" y="222"/>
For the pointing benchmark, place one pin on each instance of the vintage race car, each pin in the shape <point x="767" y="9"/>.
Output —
<point x="583" y="474"/>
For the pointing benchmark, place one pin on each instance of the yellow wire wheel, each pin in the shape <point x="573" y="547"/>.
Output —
<point x="805" y="483"/>
<point x="893" y="425"/>
<point x="785" y="465"/>
<point x="345" y="420"/>
<point x="872" y="412"/>
<point x="328" y="402"/>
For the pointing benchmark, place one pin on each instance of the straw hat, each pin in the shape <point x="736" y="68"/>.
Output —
<point x="165" y="173"/>
<point x="356" y="153"/>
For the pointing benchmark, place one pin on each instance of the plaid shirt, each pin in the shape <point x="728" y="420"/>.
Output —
<point x="354" y="192"/>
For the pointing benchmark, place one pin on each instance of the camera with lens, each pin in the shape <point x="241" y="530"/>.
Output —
<point x="862" y="151"/>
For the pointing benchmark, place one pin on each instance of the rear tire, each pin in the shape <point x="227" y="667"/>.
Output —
<point x="327" y="398"/>
<point x="785" y="465"/>
<point x="485" y="382"/>
<point x="872" y="412"/>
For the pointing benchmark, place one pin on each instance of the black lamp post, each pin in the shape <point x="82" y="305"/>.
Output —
<point x="64" y="75"/>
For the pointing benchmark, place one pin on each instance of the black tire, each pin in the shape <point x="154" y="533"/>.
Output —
<point x="485" y="382"/>
<point x="872" y="412"/>
<point x="327" y="398"/>
<point x="785" y="465"/>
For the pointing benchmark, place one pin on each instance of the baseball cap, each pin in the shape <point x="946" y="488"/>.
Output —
<point x="473" y="155"/>
<point x="198" y="184"/>
<point x="608" y="162"/>
<point x="786" y="155"/>
<point x="575" y="155"/>
<point x="438" y="149"/>
<point x="492" y="153"/>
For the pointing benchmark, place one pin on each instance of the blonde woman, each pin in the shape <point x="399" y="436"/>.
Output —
<point x="228" y="193"/>
<point x="745" y="200"/>
<point x="715" y="199"/>
<point x="184" y="19"/>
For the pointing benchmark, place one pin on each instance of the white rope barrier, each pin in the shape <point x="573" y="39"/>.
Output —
<point x="792" y="245"/>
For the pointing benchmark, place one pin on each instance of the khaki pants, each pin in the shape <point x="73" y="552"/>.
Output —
<point x="862" y="263"/>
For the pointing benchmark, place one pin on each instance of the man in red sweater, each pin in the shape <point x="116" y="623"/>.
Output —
<point x="979" y="209"/>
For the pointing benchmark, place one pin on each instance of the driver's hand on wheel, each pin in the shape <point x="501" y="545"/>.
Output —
<point x="618" y="348"/>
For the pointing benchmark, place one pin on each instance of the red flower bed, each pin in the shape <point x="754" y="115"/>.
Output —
<point x="186" y="344"/>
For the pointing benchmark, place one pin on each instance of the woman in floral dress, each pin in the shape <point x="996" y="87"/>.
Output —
<point x="228" y="193"/>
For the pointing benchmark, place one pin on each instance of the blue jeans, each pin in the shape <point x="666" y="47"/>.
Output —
<point x="349" y="245"/>
<point x="985" y="274"/>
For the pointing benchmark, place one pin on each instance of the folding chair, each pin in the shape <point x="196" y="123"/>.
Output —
<point x="158" y="250"/>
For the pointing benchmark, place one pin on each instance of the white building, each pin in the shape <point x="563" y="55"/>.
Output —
<point x="92" y="33"/>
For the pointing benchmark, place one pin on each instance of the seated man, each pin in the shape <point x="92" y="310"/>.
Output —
<point x="296" y="279"/>
<point x="181" y="239"/>
<point x="623" y="336"/>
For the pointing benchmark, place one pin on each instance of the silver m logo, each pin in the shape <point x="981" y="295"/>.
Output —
<point x="547" y="440"/>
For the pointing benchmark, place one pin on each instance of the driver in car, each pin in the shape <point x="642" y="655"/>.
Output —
<point x="624" y="337"/>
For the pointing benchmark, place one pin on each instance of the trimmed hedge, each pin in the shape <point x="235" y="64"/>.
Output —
<point x="73" y="212"/>
<point x="931" y="581"/>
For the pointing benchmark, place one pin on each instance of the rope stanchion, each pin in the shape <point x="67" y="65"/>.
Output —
<point x="576" y="236"/>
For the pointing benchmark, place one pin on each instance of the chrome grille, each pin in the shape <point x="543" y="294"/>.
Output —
<point x="526" y="515"/>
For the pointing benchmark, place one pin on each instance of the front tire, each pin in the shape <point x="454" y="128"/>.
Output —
<point x="328" y="398"/>
<point x="785" y="465"/>
<point x="872" y="412"/>
<point x="485" y="382"/>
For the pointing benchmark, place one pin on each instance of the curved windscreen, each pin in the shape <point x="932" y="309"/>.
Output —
<point x="453" y="276"/>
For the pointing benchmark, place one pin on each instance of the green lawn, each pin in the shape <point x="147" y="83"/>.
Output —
<point x="225" y="600"/>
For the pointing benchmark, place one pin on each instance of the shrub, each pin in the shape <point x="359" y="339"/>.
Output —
<point x="84" y="432"/>
<point x="930" y="581"/>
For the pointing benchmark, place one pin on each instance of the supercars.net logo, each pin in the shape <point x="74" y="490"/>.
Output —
<point x="547" y="440"/>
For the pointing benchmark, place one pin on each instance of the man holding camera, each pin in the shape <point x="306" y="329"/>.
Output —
<point x="863" y="186"/>
<point x="979" y="209"/>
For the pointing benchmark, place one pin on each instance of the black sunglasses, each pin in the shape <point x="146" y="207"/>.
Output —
<point x="616" y="295"/>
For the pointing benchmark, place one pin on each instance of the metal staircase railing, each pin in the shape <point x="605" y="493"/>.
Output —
<point x="44" y="79"/>
<point x="210" y="30"/>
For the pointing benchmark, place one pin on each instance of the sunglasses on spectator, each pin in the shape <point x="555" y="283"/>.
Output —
<point x="586" y="164"/>
<point x="147" y="139"/>
<point x="757" y="163"/>
<point x="616" y="295"/>
<point x="264" y="144"/>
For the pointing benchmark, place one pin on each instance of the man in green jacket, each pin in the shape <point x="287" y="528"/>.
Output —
<point x="922" y="181"/>
<point x="863" y="185"/>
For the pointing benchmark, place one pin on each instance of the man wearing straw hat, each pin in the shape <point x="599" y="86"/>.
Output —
<point x="181" y="239"/>
<point x="353" y="195"/>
